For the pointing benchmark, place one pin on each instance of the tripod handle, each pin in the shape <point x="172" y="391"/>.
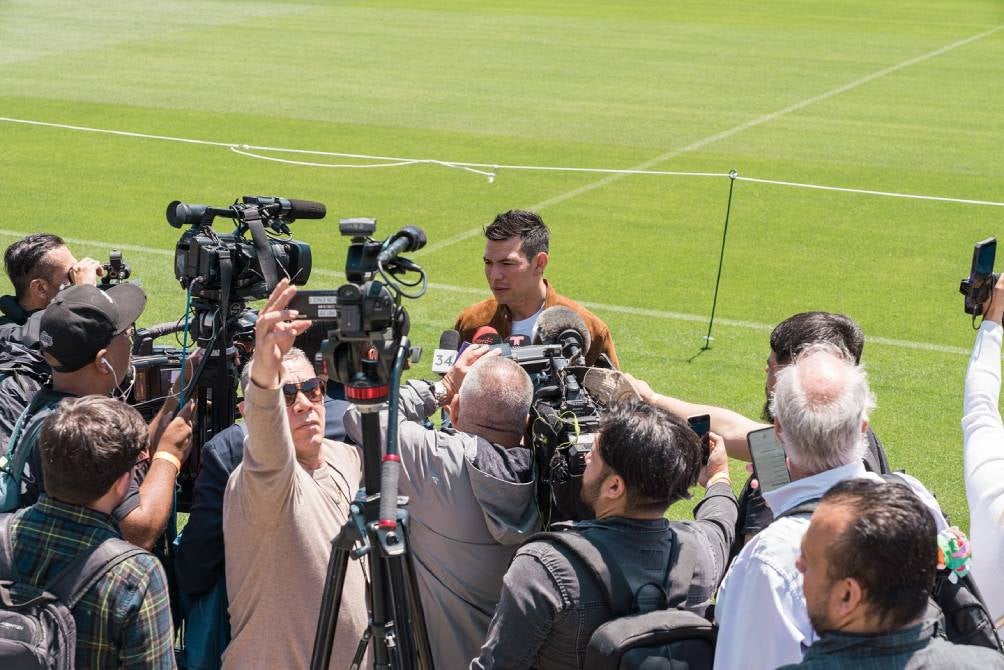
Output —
<point x="390" y="472"/>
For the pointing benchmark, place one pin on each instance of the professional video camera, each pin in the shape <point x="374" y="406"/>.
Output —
<point x="564" y="416"/>
<point x="229" y="266"/>
<point x="564" y="419"/>
<point x="221" y="272"/>
<point x="978" y="286"/>
<point x="366" y="316"/>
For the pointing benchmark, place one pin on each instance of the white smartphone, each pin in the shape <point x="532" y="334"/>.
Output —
<point x="769" y="466"/>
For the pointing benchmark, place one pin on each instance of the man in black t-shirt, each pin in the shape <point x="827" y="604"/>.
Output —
<point x="85" y="335"/>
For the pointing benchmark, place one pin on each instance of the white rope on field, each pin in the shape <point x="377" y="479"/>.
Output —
<point x="889" y="194"/>
<point x="490" y="170"/>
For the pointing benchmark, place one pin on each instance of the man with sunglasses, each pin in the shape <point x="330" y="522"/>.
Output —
<point x="283" y="504"/>
<point x="85" y="336"/>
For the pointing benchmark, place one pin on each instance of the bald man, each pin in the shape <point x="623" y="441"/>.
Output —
<point x="471" y="491"/>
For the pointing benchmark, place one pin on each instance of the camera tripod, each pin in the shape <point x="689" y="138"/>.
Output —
<point x="377" y="530"/>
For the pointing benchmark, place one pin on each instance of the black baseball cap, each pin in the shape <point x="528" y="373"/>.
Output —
<point x="82" y="320"/>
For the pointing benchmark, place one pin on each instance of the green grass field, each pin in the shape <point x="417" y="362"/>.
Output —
<point x="881" y="96"/>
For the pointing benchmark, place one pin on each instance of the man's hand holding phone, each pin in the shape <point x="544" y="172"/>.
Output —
<point x="717" y="468"/>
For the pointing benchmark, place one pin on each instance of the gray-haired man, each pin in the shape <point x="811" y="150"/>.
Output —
<point x="820" y="407"/>
<point x="472" y="494"/>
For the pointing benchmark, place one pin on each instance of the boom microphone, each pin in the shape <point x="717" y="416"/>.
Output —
<point x="561" y="325"/>
<point x="409" y="238"/>
<point x="288" y="208"/>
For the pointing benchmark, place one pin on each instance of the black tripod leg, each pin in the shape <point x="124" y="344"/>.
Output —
<point x="331" y="602"/>
<point x="420" y="634"/>
<point x="357" y="660"/>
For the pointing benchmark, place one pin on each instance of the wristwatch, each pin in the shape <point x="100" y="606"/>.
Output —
<point x="440" y="393"/>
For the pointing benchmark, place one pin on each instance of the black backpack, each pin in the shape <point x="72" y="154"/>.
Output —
<point x="662" y="639"/>
<point x="961" y="612"/>
<point x="23" y="372"/>
<point x="37" y="629"/>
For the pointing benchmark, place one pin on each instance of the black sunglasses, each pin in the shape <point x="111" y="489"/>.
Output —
<point x="312" y="388"/>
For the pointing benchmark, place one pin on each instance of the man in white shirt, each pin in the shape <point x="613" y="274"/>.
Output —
<point x="820" y="408"/>
<point x="983" y="439"/>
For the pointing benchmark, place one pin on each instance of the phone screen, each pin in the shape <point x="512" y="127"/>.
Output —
<point x="700" y="424"/>
<point x="983" y="258"/>
<point x="769" y="466"/>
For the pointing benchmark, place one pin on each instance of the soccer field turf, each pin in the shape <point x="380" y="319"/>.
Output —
<point x="877" y="96"/>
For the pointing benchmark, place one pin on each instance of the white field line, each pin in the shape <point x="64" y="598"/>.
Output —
<point x="597" y="306"/>
<point x="711" y="139"/>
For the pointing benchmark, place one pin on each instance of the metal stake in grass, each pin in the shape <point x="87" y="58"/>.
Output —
<point x="721" y="257"/>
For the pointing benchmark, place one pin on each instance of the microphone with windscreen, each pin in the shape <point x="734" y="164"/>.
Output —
<point x="563" y="326"/>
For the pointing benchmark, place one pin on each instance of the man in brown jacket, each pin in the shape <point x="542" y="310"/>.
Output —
<point x="515" y="258"/>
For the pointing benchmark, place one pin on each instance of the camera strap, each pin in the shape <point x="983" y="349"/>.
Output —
<point x="264" y="251"/>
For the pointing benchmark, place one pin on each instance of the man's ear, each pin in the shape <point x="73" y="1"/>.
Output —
<point x="847" y="596"/>
<point x="37" y="289"/>
<point x="102" y="355"/>
<point x="613" y="487"/>
<point x="540" y="262"/>
<point x="121" y="485"/>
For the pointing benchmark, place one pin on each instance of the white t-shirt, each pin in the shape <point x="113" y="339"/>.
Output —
<point x="528" y="325"/>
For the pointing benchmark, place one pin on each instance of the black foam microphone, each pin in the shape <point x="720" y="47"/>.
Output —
<point x="288" y="208"/>
<point x="563" y="326"/>
<point x="409" y="238"/>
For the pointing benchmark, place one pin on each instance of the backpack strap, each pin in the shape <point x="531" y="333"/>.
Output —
<point x="8" y="571"/>
<point x="616" y="590"/>
<point x="88" y="567"/>
<point x="9" y="460"/>
<point x="684" y="565"/>
<point x="805" y="508"/>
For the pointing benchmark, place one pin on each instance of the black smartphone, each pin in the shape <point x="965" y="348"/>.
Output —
<point x="769" y="466"/>
<point x="981" y="279"/>
<point x="701" y="424"/>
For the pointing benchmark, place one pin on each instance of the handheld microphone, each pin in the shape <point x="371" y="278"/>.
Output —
<point x="288" y="208"/>
<point x="518" y="341"/>
<point x="446" y="354"/>
<point x="409" y="238"/>
<point x="486" y="335"/>
<point x="563" y="326"/>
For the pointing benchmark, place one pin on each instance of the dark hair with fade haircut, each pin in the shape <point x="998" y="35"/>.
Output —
<point x="654" y="451"/>
<point x="528" y="226"/>
<point x="799" y="331"/>
<point x="890" y="547"/>
<point x="86" y="444"/>
<point x="24" y="260"/>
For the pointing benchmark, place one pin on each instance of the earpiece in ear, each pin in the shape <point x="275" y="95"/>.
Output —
<point x="104" y="362"/>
